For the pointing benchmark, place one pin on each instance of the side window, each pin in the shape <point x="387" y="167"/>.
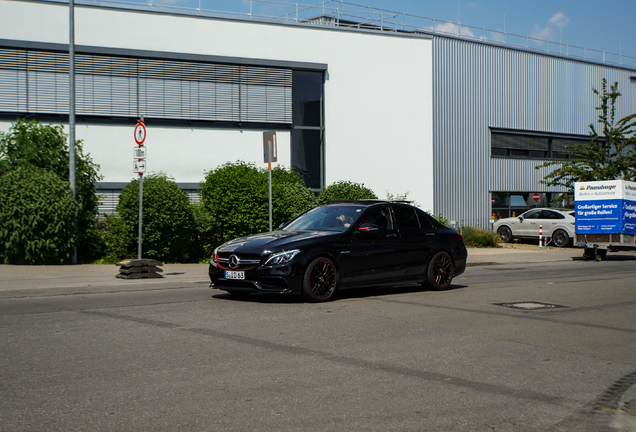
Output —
<point x="406" y="217"/>
<point x="380" y="217"/>
<point x="532" y="215"/>
<point x="425" y="220"/>
<point x="552" y="215"/>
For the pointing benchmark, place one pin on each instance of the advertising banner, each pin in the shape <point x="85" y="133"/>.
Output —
<point x="605" y="207"/>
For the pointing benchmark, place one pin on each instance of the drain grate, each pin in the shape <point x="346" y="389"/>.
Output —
<point x="529" y="305"/>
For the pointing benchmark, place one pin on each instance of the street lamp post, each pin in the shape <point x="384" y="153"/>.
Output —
<point x="71" y="110"/>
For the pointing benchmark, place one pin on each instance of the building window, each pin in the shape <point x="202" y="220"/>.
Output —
<point x="307" y="135"/>
<point x="530" y="145"/>
<point x="36" y="82"/>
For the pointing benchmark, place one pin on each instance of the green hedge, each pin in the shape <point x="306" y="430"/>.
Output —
<point x="168" y="220"/>
<point x="237" y="195"/>
<point x="37" y="214"/>
<point x="32" y="144"/>
<point x="345" y="190"/>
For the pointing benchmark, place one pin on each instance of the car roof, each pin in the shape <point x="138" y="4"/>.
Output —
<point x="563" y="210"/>
<point x="367" y="202"/>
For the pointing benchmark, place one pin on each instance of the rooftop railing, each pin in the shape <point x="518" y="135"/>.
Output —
<point x="352" y="15"/>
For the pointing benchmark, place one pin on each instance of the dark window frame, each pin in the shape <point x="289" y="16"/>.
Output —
<point x="532" y="145"/>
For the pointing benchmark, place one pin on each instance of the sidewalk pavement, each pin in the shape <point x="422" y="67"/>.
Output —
<point x="34" y="281"/>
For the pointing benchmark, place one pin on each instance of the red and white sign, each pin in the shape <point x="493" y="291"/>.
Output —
<point x="536" y="197"/>
<point x="140" y="133"/>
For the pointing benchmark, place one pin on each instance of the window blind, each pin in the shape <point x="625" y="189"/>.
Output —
<point x="34" y="81"/>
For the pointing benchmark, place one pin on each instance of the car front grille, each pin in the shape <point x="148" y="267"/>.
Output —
<point x="234" y="261"/>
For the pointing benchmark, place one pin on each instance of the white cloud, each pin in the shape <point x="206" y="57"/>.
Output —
<point x="559" y="20"/>
<point x="454" y="29"/>
<point x="556" y="23"/>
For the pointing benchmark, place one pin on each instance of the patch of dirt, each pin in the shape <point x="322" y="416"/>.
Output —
<point x="526" y="246"/>
<point x="533" y="246"/>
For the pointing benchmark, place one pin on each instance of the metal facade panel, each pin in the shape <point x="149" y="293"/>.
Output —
<point x="477" y="86"/>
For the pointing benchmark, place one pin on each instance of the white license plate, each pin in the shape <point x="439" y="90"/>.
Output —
<point x="234" y="275"/>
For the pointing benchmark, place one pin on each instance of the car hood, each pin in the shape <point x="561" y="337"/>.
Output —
<point x="274" y="241"/>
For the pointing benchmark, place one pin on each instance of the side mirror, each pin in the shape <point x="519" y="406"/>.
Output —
<point x="520" y="218"/>
<point x="367" y="227"/>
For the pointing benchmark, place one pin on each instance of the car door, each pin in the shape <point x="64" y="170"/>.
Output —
<point x="417" y="236"/>
<point x="529" y="225"/>
<point x="373" y="258"/>
<point x="542" y="221"/>
<point x="553" y="220"/>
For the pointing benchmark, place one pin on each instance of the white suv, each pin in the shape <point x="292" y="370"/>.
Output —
<point x="558" y="225"/>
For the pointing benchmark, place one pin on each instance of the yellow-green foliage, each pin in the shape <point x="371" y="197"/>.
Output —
<point x="474" y="236"/>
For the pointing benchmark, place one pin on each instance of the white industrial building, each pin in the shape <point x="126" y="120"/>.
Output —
<point x="457" y="121"/>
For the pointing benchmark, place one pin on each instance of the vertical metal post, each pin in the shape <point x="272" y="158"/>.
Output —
<point x="141" y="204"/>
<point x="71" y="111"/>
<point x="269" y="169"/>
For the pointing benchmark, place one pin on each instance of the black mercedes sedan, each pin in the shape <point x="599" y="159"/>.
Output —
<point x="342" y="245"/>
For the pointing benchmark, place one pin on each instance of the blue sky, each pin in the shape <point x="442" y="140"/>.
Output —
<point x="603" y="25"/>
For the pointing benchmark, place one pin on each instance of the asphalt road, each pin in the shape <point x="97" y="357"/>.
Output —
<point x="390" y="359"/>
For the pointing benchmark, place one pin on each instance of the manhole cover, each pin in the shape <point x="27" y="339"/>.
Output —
<point x="529" y="305"/>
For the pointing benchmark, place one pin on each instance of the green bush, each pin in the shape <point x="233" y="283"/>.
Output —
<point x="475" y="236"/>
<point x="345" y="190"/>
<point x="30" y="143"/>
<point x="237" y="196"/>
<point x="168" y="219"/>
<point x="439" y="218"/>
<point x="290" y="196"/>
<point x="207" y="235"/>
<point x="117" y="238"/>
<point x="37" y="213"/>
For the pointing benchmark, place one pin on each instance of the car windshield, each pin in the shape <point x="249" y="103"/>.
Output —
<point x="326" y="218"/>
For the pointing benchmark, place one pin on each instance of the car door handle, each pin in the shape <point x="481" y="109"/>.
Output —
<point x="391" y="235"/>
<point x="431" y="234"/>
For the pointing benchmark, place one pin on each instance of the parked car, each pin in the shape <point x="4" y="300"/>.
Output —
<point x="558" y="226"/>
<point x="342" y="245"/>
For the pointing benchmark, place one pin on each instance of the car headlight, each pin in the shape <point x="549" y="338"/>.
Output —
<point x="281" y="257"/>
<point x="214" y="255"/>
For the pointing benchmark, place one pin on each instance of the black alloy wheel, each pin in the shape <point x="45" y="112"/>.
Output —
<point x="505" y="235"/>
<point x="321" y="278"/>
<point x="560" y="238"/>
<point x="440" y="272"/>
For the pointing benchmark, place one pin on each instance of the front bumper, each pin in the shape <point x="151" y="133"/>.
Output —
<point x="281" y="279"/>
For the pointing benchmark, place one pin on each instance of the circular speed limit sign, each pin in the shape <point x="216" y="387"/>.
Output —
<point x="140" y="133"/>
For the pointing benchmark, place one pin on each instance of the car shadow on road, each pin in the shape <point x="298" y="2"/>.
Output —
<point x="351" y="293"/>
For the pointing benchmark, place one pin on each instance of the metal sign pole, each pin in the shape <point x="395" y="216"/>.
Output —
<point x="140" y="167"/>
<point x="141" y="205"/>
<point x="269" y="169"/>
<point x="269" y="156"/>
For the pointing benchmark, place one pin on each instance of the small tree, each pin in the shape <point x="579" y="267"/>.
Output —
<point x="610" y="155"/>
<point x="345" y="190"/>
<point x="207" y="235"/>
<point x="168" y="221"/>
<point x="37" y="211"/>
<point x="30" y="143"/>
<point x="237" y="196"/>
